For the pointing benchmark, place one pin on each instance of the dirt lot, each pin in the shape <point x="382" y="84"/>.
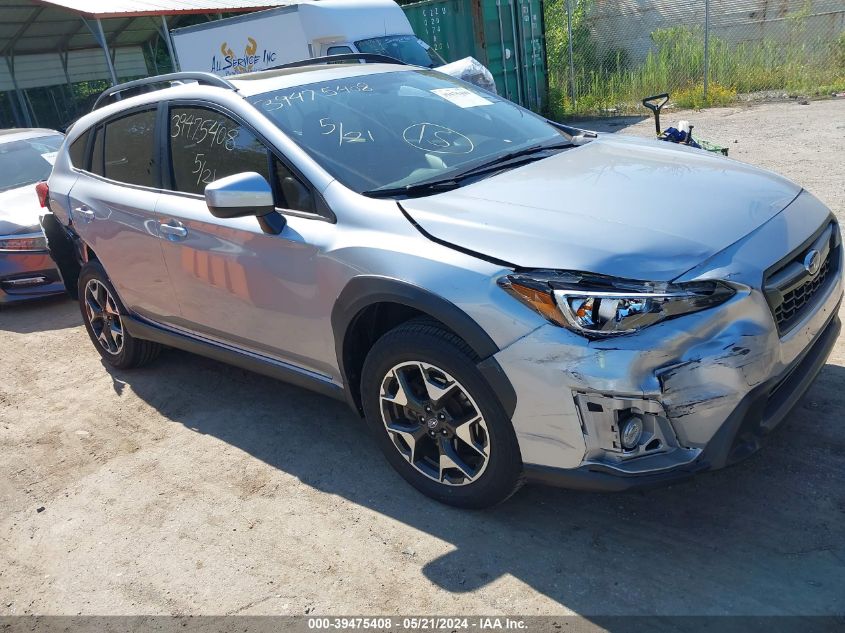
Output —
<point x="193" y="487"/>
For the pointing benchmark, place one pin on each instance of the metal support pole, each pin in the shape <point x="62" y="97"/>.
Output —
<point x="61" y="117"/>
<point x="27" y="117"/>
<point x="169" y="43"/>
<point x="153" y="57"/>
<point x="16" y="112"/>
<point x="31" y="109"/>
<point x="571" y="58"/>
<point x="102" y="37"/>
<point x="706" y="46"/>
<point x="64" y="56"/>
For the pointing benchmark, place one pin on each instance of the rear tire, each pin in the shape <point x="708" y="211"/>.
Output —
<point x="436" y="419"/>
<point x="103" y="313"/>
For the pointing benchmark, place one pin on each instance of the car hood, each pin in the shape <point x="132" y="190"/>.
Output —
<point x="19" y="210"/>
<point x="640" y="209"/>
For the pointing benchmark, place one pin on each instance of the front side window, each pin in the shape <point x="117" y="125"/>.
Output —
<point x="396" y="129"/>
<point x="206" y="145"/>
<point x="290" y="191"/>
<point x="129" y="149"/>
<point x="406" y="48"/>
<point x="25" y="162"/>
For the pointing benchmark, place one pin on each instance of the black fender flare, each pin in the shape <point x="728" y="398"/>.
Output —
<point x="367" y="290"/>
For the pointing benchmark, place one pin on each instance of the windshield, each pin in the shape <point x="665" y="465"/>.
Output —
<point x="396" y="129"/>
<point x="27" y="161"/>
<point x="406" y="48"/>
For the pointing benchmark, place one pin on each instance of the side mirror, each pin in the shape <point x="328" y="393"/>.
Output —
<point x="242" y="195"/>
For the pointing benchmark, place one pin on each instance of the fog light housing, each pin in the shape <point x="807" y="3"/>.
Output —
<point x="631" y="432"/>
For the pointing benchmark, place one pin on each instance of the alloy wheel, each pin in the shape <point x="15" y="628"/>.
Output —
<point x="434" y="423"/>
<point x="103" y="316"/>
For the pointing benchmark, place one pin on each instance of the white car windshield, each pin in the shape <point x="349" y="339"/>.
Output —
<point x="398" y="129"/>
<point x="27" y="161"/>
<point x="406" y="48"/>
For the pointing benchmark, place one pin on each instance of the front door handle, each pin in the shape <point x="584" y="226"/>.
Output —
<point x="173" y="232"/>
<point x="85" y="213"/>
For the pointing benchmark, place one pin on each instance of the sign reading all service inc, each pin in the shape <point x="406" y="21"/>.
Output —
<point x="243" y="44"/>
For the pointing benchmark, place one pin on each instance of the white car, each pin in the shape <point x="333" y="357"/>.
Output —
<point x="26" y="270"/>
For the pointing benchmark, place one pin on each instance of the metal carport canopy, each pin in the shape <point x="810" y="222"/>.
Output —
<point x="57" y="26"/>
<point x="124" y="8"/>
<point x="29" y="28"/>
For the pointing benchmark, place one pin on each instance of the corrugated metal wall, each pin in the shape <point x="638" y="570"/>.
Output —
<point x="505" y="35"/>
<point x="35" y="71"/>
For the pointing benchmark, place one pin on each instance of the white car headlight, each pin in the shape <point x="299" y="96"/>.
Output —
<point x="596" y="306"/>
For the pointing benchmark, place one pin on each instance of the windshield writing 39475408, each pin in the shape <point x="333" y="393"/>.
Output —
<point x="307" y="95"/>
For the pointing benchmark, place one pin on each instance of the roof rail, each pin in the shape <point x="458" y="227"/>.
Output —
<point x="202" y="78"/>
<point x="343" y="57"/>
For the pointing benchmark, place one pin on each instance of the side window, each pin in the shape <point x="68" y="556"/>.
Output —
<point x="291" y="192"/>
<point x="77" y="151"/>
<point x="338" y="50"/>
<point x="97" y="153"/>
<point x="130" y="149"/>
<point x="206" y="145"/>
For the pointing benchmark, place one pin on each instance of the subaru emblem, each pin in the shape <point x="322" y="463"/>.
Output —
<point x="813" y="262"/>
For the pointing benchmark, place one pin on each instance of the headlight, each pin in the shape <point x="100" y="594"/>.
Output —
<point x="23" y="242"/>
<point x="595" y="306"/>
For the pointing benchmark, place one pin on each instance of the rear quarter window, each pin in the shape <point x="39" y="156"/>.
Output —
<point x="78" y="157"/>
<point x="96" y="165"/>
<point x="129" y="149"/>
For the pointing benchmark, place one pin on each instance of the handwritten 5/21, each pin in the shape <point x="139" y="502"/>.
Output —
<point x="344" y="136"/>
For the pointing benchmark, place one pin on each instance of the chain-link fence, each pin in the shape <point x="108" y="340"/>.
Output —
<point x="604" y="56"/>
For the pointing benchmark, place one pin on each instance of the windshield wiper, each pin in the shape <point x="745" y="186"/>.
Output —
<point x="426" y="186"/>
<point x="505" y="160"/>
<point x="510" y="159"/>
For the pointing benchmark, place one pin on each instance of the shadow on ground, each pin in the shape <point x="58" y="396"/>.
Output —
<point x="41" y="315"/>
<point x="764" y="537"/>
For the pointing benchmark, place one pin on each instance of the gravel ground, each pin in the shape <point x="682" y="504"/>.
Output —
<point x="193" y="487"/>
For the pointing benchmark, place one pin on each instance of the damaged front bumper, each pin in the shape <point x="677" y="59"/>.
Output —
<point x="707" y="388"/>
<point x="756" y="415"/>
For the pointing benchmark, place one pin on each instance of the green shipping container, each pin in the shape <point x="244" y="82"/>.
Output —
<point x="504" y="35"/>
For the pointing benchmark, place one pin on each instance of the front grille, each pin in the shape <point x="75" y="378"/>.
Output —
<point x="792" y="290"/>
<point x="794" y="301"/>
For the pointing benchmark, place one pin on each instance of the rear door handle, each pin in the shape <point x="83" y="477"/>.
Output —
<point x="173" y="231"/>
<point x="85" y="213"/>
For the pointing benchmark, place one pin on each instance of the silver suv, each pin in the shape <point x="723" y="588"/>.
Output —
<point x="501" y="297"/>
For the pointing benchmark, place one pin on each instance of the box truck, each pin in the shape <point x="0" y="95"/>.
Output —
<point x="312" y="28"/>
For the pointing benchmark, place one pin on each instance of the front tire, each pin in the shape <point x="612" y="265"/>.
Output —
<point x="436" y="419"/>
<point x="103" y="315"/>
